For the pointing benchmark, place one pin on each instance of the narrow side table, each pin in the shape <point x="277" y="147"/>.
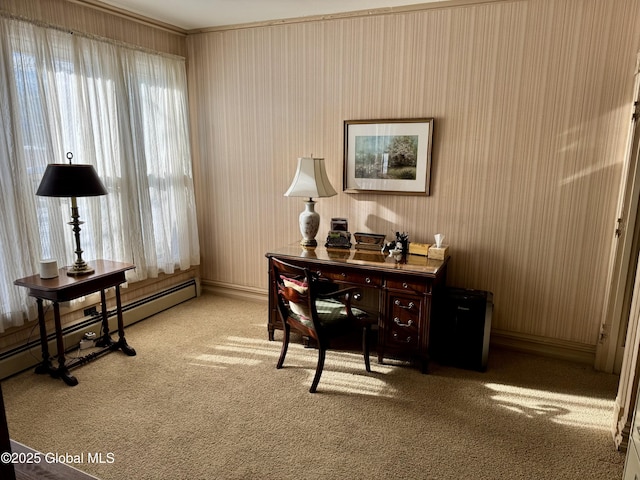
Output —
<point x="64" y="288"/>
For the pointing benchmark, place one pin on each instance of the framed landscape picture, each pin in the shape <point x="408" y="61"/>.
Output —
<point x="387" y="156"/>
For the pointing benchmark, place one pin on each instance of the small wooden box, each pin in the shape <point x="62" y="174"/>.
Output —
<point x="369" y="241"/>
<point x="438" y="253"/>
<point x="419" y="248"/>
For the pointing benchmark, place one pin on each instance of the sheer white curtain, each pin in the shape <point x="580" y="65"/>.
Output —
<point x="122" y="110"/>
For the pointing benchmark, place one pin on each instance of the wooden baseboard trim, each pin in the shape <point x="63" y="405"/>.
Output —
<point x="234" y="291"/>
<point x="543" y="346"/>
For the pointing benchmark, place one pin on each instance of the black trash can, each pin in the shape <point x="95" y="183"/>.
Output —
<point x="461" y="329"/>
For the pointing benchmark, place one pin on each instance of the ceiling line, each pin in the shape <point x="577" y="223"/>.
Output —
<point x="341" y="15"/>
<point x="135" y="17"/>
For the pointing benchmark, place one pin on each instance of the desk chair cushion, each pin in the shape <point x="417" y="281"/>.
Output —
<point x="298" y="308"/>
<point x="331" y="313"/>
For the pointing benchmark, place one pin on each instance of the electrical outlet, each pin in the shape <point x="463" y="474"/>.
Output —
<point x="90" y="312"/>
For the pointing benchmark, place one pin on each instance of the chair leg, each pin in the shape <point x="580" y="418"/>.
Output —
<point x="285" y="345"/>
<point x="365" y="347"/>
<point x="319" y="367"/>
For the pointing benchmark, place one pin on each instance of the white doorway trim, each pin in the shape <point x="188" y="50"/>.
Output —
<point x="624" y="252"/>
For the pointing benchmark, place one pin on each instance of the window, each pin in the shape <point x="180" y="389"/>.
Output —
<point x="121" y="109"/>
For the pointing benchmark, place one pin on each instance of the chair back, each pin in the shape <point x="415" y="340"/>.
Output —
<point x="295" y="289"/>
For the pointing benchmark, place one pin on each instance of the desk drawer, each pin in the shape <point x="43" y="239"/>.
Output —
<point x="409" y="285"/>
<point x="404" y="321"/>
<point x="349" y="276"/>
<point x="404" y="335"/>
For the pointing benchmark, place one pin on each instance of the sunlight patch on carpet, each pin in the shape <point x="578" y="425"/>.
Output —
<point x="226" y="360"/>
<point x="350" y="383"/>
<point x="561" y="408"/>
<point x="344" y="371"/>
<point x="241" y="349"/>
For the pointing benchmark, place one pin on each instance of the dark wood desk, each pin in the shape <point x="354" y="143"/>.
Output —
<point x="64" y="288"/>
<point x="407" y="293"/>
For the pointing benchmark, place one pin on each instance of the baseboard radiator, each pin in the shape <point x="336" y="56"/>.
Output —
<point x="30" y="354"/>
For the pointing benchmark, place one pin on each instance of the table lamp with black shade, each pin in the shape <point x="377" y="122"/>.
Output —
<point x="72" y="180"/>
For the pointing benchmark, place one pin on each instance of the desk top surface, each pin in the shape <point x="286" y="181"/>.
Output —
<point x="103" y="268"/>
<point x="415" y="264"/>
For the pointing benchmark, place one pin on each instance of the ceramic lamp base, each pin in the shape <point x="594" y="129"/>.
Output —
<point x="309" y="225"/>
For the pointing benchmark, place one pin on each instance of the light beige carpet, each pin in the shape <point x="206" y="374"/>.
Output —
<point x="203" y="400"/>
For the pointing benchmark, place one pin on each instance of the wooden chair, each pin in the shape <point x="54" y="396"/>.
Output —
<point x="316" y="309"/>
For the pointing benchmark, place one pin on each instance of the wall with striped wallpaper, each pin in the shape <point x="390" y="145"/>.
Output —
<point x="531" y="101"/>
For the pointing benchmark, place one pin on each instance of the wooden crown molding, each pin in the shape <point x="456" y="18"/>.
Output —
<point x="121" y="12"/>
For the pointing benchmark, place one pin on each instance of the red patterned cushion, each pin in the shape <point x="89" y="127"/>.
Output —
<point x="300" y="308"/>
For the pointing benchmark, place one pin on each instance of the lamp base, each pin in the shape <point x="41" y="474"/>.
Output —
<point x="79" y="271"/>
<point x="309" y="223"/>
<point x="80" y="267"/>
<point x="308" y="244"/>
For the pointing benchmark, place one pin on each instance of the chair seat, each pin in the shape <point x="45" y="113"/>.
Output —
<point x="330" y="313"/>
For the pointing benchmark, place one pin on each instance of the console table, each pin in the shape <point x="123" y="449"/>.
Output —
<point x="64" y="288"/>
<point x="407" y="293"/>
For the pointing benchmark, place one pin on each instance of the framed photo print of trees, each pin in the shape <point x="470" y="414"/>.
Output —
<point x="388" y="156"/>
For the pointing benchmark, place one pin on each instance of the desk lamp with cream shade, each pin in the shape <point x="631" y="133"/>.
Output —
<point x="72" y="180"/>
<point x="310" y="181"/>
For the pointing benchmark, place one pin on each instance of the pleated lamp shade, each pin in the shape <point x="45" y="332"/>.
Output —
<point x="310" y="181"/>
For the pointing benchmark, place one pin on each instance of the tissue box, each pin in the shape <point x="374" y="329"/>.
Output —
<point x="438" y="253"/>
<point x="418" y="248"/>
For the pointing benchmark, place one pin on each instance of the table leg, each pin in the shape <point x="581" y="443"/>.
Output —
<point x="45" y="366"/>
<point x="424" y="365"/>
<point x="105" y="340"/>
<point x="122" y="342"/>
<point x="62" y="371"/>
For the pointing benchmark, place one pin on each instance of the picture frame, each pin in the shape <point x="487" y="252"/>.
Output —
<point x="388" y="156"/>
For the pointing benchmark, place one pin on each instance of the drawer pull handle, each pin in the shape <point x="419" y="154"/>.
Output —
<point x="367" y="280"/>
<point x="406" y="307"/>
<point x="319" y="273"/>
<point x="408" y="339"/>
<point x="397" y="321"/>
<point x="344" y="275"/>
<point x="405" y="285"/>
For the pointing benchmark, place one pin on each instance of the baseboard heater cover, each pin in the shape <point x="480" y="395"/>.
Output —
<point x="28" y="355"/>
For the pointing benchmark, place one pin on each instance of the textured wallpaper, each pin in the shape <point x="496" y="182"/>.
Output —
<point x="531" y="101"/>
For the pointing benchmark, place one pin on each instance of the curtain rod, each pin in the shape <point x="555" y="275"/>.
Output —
<point x="99" y="38"/>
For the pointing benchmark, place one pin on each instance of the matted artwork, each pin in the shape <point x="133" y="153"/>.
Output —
<point x="388" y="156"/>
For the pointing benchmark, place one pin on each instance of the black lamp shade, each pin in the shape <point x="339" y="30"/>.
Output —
<point x="65" y="180"/>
